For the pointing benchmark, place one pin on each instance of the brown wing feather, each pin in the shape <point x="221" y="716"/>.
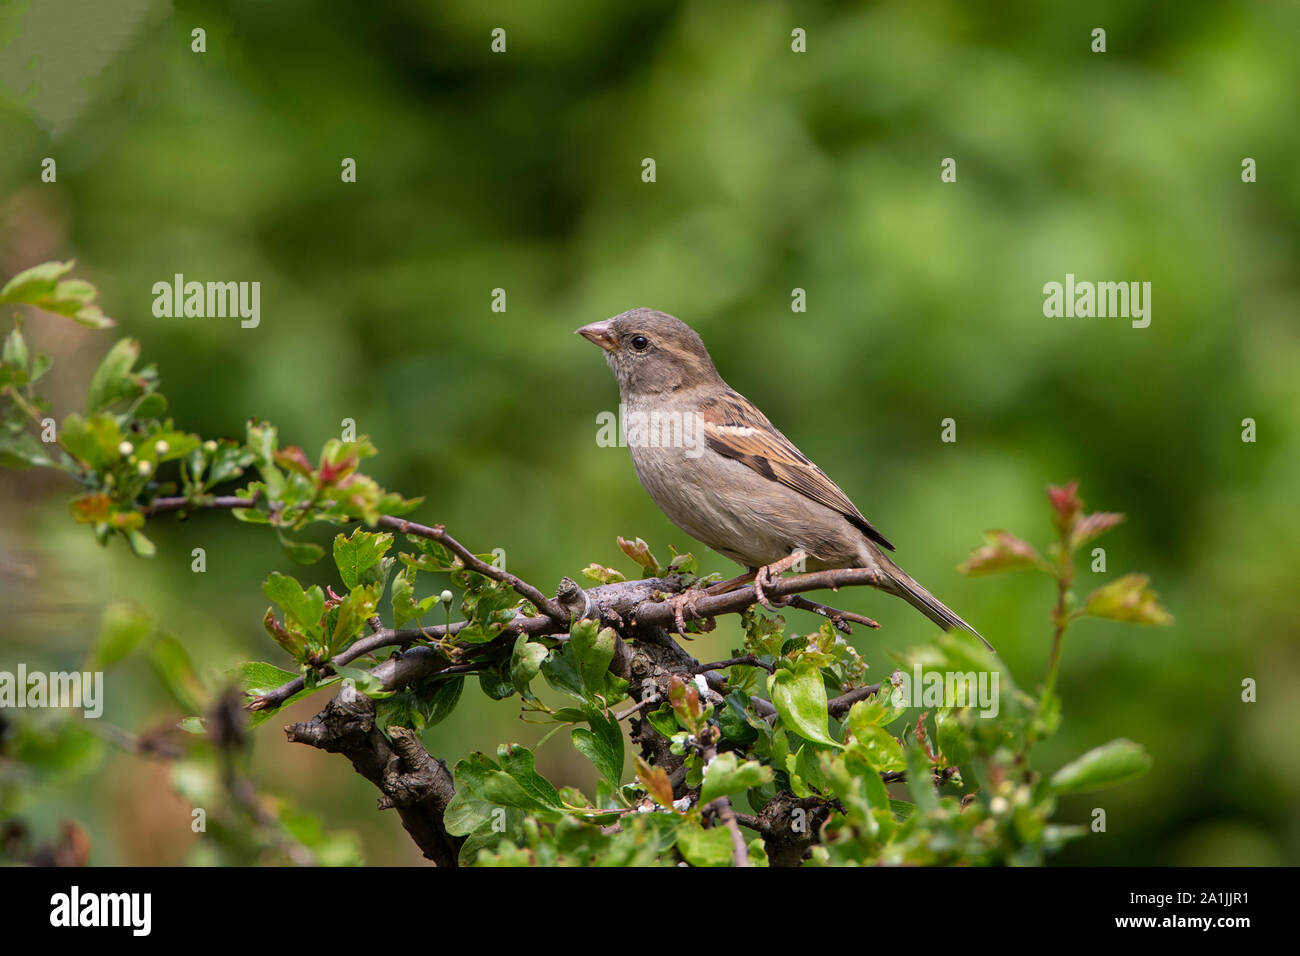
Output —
<point x="736" y="429"/>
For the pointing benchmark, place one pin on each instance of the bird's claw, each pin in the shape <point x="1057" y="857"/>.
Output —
<point x="768" y="575"/>
<point x="683" y="604"/>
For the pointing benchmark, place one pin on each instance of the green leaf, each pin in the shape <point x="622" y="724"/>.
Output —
<point x="141" y="546"/>
<point x="122" y="631"/>
<point x="360" y="556"/>
<point x="495" y="684"/>
<point x="356" y="608"/>
<point x="593" y="649"/>
<point x="94" y="441"/>
<point x="800" y="699"/>
<point x="405" y="608"/>
<point x="602" y="575"/>
<point x="726" y="776"/>
<point x="489" y="782"/>
<point x="1103" y="767"/>
<point x="878" y="748"/>
<point x="304" y="607"/>
<point x="364" y="681"/>
<point x="872" y="742"/>
<point x="733" y="720"/>
<point x="256" y="678"/>
<point x="525" y="662"/>
<point x="664" y="720"/>
<point x="952" y="736"/>
<point x="519" y="763"/>
<point x="701" y="847"/>
<point x="114" y="381"/>
<point x="150" y="405"/>
<point x="43" y="287"/>
<point x="466" y="813"/>
<point x="302" y="552"/>
<point x="15" y="350"/>
<point x="23" y="450"/>
<point x="443" y="700"/>
<point x="920" y="781"/>
<point x="602" y="745"/>
<point x="171" y="662"/>
<point x="561" y="671"/>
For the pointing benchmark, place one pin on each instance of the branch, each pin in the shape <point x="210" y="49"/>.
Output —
<point x="433" y="532"/>
<point x="409" y="779"/>
<point x="638" y="603"/>
<point x="839" y="706"/>
<point x="547" y="606"/>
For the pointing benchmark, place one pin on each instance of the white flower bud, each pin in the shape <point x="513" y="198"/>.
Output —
<point x="161" y="447"/>
<point x="144" y="467"/>
<point x="125" y="449"/>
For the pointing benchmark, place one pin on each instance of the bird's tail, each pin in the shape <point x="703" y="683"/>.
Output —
<point x="905" y="586"/>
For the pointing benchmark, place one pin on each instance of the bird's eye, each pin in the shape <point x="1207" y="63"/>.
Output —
<point x="640" y="343"/>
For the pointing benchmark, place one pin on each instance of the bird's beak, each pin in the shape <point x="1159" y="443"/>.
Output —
<point x="600" y="333"/>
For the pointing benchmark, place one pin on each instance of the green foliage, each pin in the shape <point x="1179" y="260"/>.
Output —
<point x="45" y="288"/>
<point x="962" y="756"/>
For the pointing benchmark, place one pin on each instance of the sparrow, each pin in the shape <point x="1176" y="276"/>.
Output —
<point x="726" y="476"/>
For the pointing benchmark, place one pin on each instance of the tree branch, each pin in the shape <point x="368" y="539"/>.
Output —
<point x="420" y="787"/>
<point x="409" y="779"/>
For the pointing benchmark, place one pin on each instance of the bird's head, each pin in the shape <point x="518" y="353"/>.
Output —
<point x="651" y="353"/>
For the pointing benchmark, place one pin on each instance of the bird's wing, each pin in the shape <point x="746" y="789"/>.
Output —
<point x="734" y="428"/>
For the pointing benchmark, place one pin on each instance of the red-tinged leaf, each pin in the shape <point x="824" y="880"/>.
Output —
<point x="1066" y="504"/>
<point x="1003" y="552"/>
<point x="290" y="642"/>
<point x="685" y="700"/>
<point x="293" y="459"/>
<point x="656" y="783"/>
<point x="640" y="552"/>
<point x="1128" y="599"/>
<point x="339" y="459"/>
<point x="1094" y="526"/>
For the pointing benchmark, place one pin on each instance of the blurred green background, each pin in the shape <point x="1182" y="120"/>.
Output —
<point x="775" y="170"/>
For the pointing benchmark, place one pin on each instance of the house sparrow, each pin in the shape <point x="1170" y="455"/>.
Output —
<point x="725" y="475"/>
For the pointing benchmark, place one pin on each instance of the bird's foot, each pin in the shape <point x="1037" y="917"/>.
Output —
<point x="684" y="604"/>
<point x="767" y="576"/>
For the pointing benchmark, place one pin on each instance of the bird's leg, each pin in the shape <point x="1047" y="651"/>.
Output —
<point x="722" y="587"/>
<point x="767" y="576"/>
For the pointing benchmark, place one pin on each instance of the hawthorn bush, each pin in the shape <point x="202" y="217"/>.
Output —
<point x="783" y="754"/>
